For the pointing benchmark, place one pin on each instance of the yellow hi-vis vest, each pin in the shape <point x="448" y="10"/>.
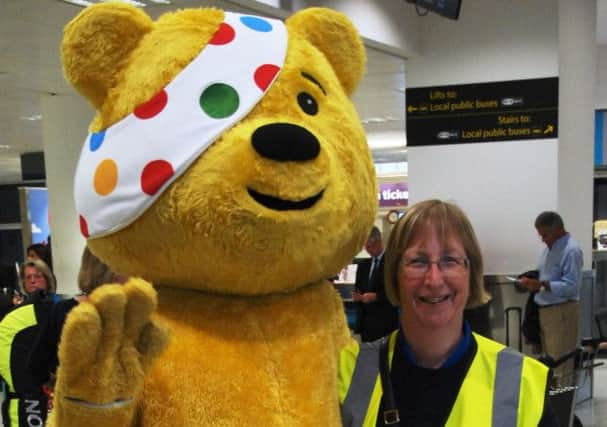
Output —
<point x="502" y="388"/>
<point x="25" y="403"/>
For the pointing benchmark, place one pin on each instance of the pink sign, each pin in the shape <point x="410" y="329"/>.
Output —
<point x="396" y="194"/>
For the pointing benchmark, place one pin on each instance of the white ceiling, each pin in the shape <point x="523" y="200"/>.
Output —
<point x="30" y="34"/>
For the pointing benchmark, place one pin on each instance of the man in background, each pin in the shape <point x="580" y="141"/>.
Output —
<point x="557" y="290"/>
<point x="376" y="317"/>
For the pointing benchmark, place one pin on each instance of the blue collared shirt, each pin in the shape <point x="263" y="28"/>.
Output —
<point x="562" y="266"/>
<point x="458" y="352"/>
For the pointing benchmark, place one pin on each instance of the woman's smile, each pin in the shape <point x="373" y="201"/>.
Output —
<point x="434" y="300"/>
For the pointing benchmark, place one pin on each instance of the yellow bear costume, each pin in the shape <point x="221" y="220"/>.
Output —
<point x="238" y="245"/>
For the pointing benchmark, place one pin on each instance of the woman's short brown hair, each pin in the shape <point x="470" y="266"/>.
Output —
<point x="450" y="220"/>
<point x="41" y="267"/>
<point x="93" y="272"/>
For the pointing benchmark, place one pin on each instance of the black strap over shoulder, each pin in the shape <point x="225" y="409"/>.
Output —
<point x="391" y="415"/>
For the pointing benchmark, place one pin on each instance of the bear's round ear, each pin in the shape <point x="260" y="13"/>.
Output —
<point x="96" y="44"/>
<point x="335" y="36"/>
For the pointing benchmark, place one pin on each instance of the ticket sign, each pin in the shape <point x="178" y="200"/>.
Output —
<point x="396" y="194"/>
<point x="484" y="112"/>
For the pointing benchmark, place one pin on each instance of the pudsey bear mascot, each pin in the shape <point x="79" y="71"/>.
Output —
<point x="226" y="165"/>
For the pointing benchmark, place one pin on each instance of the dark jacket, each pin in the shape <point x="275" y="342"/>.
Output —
<point x="378" y="318"/>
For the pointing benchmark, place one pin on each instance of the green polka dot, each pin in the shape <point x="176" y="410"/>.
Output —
<point x="219" y="100"/>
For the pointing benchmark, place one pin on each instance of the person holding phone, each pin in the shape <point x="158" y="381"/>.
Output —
<point x="557" y="291"/>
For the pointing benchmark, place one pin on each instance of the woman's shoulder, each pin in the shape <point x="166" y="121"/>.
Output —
<point x="489" y="346"/>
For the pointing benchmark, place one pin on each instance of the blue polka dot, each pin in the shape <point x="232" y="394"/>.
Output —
<point x="256" y="23"/>
<point x="96" y="140"/>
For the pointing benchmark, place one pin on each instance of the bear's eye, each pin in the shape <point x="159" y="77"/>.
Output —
<point x="307" y="103"/>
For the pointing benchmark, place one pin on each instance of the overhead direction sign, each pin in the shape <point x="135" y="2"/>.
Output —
<point x="483" y="112"/>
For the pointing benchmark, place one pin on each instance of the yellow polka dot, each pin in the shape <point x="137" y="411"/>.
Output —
<point x="106" y="177"/>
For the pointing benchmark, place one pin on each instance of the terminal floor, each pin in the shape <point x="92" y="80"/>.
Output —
<point x="593" y="413"/>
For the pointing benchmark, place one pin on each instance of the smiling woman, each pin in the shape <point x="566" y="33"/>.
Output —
<point x="434" y="371"/>
<point x="435" y="268"/>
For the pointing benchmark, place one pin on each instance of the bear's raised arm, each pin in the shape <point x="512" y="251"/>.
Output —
<point x="106" y="348"/>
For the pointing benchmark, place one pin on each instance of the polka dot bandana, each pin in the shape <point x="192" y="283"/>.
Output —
<point x="123" y="169"/>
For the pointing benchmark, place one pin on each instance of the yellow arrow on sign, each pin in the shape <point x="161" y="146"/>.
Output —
<point x="411" y="108"/>
<point x="549" y="129"/>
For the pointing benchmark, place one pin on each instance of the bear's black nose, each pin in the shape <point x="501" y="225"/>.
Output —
<point x="285" y="142"/>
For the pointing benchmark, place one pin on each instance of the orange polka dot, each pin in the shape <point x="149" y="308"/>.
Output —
<point x="106" y="177"/>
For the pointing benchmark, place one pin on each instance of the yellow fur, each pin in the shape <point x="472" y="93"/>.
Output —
<point x="255" y="329"/>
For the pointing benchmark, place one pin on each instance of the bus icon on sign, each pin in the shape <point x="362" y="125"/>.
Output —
<point x="509" y="102"/>
<point x="447" y="134"/>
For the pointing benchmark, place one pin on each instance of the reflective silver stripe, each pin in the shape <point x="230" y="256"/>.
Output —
<point x="507" y="387"/>
<point x="366" y="371"/>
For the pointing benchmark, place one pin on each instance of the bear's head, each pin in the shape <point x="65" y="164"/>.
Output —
<point x="281" y="197"/>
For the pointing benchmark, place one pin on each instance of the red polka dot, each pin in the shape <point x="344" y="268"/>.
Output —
<point x="264" y="75"/>
<point x="84" y="227"/>
<point x="224" y="35"/>
<point x="153" y="107"/>
<point x="154" y="175"/>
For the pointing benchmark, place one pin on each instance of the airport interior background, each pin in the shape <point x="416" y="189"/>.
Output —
<point x="502" y="180"/>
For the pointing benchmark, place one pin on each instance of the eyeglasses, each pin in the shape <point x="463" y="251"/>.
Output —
<point x="450" y="266"/>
